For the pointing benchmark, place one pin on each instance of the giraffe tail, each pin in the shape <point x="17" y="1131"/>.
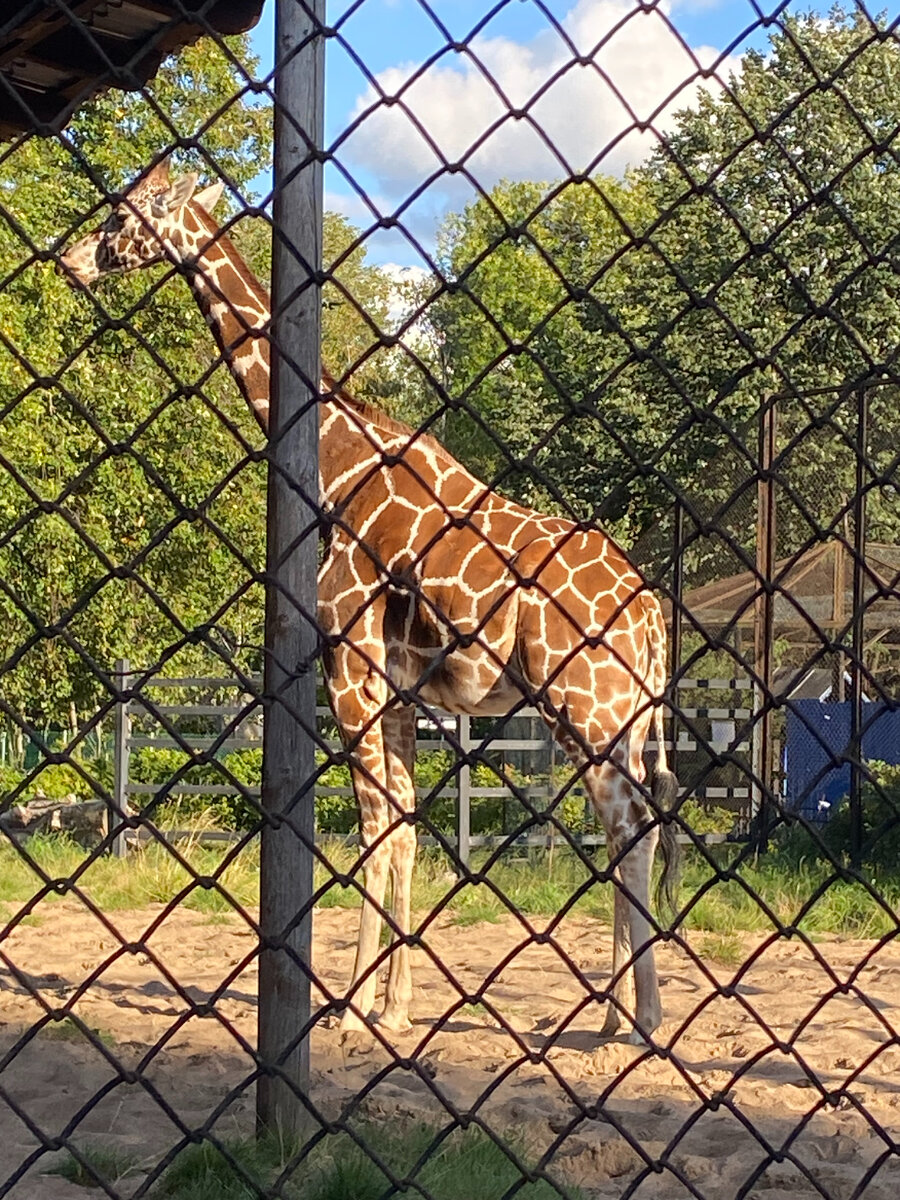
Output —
<point x="664" y="784"/>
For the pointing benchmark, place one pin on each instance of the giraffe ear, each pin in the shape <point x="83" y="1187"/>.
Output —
<point x="210" y="196"/>
<point x="175" y="196"/>
<point x="159" y="175"/>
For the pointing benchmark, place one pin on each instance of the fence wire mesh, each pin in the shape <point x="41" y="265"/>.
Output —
<point x="646" y="286"/>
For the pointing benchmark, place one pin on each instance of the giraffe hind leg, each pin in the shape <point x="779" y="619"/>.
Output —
<point x="631" y="845"/>
<point x="383" y="782"/>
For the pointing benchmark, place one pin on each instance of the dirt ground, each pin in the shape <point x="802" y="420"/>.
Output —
<point x="778" y="1085"/>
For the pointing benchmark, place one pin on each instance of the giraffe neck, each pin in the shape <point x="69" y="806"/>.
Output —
<point x="238" y="311"/>
<point x="234" y="302"/>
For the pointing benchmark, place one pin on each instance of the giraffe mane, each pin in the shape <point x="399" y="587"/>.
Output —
<point x="370" y="413"/>
<point x="219" y="238"/>
<point x="377" y="417"/>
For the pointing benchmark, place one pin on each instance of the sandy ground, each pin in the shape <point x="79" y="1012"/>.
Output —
<point x="782" y="1083"/>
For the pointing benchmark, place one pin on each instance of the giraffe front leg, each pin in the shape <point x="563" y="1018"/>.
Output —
<point x="400" y="744"/>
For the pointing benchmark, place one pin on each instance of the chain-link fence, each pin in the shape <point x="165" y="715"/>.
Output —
<point x="349" y="889"/>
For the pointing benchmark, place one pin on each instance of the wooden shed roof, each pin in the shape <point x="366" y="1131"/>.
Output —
<point x="53" y="58"/>
<point x="814" y="591"/>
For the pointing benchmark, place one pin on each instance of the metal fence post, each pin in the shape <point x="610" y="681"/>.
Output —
<point x="858" y="639"/>
<point x="764" y="626"/>
<point x="677" y="625"/>
<point x="287" y="845"/>
<point x="120" y="760"/>
<point x="464" y="798"/>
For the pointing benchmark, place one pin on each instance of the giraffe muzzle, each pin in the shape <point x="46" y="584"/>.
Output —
<point x="75" y="276"/>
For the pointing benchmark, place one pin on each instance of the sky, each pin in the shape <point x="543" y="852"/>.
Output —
<point x="596" y="80"/>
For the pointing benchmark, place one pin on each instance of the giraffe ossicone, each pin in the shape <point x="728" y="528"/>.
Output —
<point x="436" y="587"/>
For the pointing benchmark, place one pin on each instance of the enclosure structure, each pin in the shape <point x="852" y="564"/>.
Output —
<point x="687" y="337"/>
<point x="53" y="58"/>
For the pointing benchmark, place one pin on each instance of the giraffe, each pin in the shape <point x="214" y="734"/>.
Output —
<point x="435" y="590"/>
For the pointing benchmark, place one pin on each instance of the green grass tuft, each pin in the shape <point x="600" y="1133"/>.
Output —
<point x="724" y="948"/>
<point x="204" y="1173"/>
<point x="89" y="1162"/>
<point x="463" y="1166"/>
<point x="67" y="1030"/>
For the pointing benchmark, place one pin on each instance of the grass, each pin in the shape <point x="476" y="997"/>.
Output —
<point x="152" y="875"/>
<point x="89" y="1162"/>
<point x="67" y="1030"/>
<point x="8" y="911"/>
<point x="537" y="887"/>
<point x="462" y="1166"/>
<point x="726" y="949"/>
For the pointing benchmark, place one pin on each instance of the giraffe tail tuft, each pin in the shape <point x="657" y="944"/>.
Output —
<point x="664" y="785"/>
<point x="665" y="793"/>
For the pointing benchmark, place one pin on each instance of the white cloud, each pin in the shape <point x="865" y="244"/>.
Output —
<point x="400" y="302"/>
<point x="349" y="205"/>
<point x="599" y="115"/>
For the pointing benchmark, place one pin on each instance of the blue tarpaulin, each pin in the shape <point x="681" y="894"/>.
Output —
<point x="817" y="751"/>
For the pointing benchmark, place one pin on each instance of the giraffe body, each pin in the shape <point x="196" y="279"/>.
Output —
<point x="437" y="591"/>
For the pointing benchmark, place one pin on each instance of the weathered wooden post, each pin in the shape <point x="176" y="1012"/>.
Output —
<point x="286" y="866"/>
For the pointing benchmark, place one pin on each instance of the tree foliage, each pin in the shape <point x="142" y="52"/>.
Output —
<point x="616" y="336"/>
<point x="599" y="341"/>
<point x="129" y="511"/>
<point x="132" y="521"/>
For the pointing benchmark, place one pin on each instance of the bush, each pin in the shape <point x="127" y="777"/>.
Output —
<point x="160" y="766"/>
<point x="881" y="820"/>
<point x="10" y="778"/>
<point x="56" y="781"/>
<point x="706" y="818"/>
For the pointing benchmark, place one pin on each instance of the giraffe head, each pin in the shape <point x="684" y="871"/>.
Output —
<point x="142" y="229"/>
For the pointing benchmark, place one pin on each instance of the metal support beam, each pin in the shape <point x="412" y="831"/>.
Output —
<point x="675" y="642"/>
<point x="857" y="830"/>
<point x="121" y="756"/>
<point x="464" y="799"/>
<point x="764" y="626"/>
<point x="286" y="868"/>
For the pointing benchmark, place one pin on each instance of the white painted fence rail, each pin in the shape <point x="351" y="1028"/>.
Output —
<point x="245" y="731"/>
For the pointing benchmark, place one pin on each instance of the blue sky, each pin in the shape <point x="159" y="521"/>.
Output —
<point x="592" y="117"/>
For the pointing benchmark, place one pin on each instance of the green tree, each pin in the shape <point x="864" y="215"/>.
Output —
<point x="130" y="519"/>
<point x="604" y="342"/>
<point x="775" y="257"/>
<point x="531" y="331"/>
<point x="355" y="301"/>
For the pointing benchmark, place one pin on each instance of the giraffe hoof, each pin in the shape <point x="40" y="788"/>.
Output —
<point x="636" y="1038"/>
<point x="611" y="1024"/>
<point x="395" y="1025"/>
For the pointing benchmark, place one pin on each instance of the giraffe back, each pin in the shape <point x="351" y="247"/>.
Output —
<point x="484" y="600"/>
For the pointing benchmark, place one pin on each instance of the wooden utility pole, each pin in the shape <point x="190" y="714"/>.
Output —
<point x="286" y="866"/>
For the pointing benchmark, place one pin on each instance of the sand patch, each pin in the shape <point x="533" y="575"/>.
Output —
<point x="781" y="1078"/>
